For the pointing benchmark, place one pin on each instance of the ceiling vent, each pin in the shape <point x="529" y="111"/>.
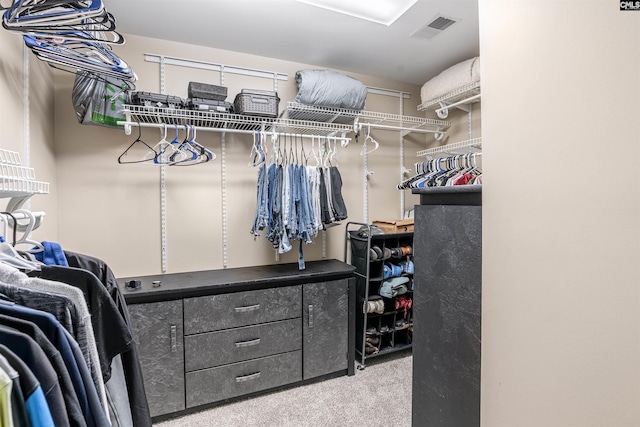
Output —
<point x="437" y="25"/>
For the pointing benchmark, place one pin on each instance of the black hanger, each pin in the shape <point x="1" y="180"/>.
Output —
<point x="15" y="225"/>
<point x="138" y="139"/>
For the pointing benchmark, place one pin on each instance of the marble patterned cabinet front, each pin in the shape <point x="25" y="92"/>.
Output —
<point x="253" y="329"/>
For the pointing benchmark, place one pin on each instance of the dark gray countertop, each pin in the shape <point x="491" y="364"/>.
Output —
<point x="452" y="195"/>
<point x="198" y="283"/>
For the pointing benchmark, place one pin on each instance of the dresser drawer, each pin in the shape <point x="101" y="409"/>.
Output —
<point x="214" y="384"/>
<point x="234" y="345"/>
<point x="217" y="312"/>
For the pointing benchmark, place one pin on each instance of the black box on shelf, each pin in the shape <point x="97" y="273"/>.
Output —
<point x="206" y="91"/>
<point x="150" y="99"/>
<point x="201" y="104"/>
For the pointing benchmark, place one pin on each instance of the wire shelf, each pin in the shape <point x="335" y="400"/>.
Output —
<point x="453" y="148"/>
<point x="17" y="180"/>
<point x="460" y="94"/>
<point x="231" y="122"/>
<point x="364" y="118"/>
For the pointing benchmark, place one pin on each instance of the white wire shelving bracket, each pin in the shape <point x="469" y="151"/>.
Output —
<point x="460" y="147"/>
<point x="459" y="98"/>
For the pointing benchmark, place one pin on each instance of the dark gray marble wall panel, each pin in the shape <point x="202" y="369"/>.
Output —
<point x="325" y="327"/>
<point x="217" y="312"/>
<point x="447" y="313"/>
<point x="157" y="329"/>
<point x="234" y="345"/>
<point x="215" y="384"/>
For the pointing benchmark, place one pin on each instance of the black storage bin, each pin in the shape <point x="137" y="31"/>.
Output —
<point x="206" y="91"/>
<point x="150" y="99"/>
<point x="201" y="104"/>
<point x="253" y="102"/>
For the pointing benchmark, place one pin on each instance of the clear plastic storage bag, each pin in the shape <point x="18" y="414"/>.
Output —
<point x="98" y="100"/>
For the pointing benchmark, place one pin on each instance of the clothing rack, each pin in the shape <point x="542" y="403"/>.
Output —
<point x="343" y="139"/>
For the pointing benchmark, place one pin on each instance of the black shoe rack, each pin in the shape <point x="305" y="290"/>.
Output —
<point x="384" y="318"/>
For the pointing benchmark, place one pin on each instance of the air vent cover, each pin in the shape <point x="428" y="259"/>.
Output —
<point x="437" y="25"/>
<point x="441" y="23"/>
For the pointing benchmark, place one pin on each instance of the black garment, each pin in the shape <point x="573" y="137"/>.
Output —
<point x="94" y="402"/>
<point x="76" y="416"/>
<point x="339" y="208"/>
<point x="111" y="332"/>
<point x="325" y="214"/>
<point x="131" y="363"/>
<point x="76" y="367"/>
<point x="28" y="350"/>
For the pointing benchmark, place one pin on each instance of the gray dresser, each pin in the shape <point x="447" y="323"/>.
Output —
<point x="210" y="336"/>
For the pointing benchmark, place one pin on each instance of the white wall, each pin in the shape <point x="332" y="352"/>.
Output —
<point x="561" y="201"/>
<point x="112" y="211"/>
<point x="32" y="138"/>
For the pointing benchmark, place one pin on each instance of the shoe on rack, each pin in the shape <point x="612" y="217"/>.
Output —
<point x="407" y="267"/>
<point x="396" y="253"/>
<point x="370" y="349"/>
<point x="375" y="253"/>
<point x="373" y="340"/>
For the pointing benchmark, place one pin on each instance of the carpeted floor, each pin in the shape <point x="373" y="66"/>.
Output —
<point x="378" y="396"/>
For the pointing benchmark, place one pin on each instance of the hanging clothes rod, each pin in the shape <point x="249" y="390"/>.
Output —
<point x="128" y="125"/>
<point x="400" y="128"/>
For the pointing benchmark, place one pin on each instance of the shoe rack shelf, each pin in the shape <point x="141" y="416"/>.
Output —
<point x="384" y="321"/>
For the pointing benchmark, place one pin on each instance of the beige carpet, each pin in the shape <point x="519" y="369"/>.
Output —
<point x="379" y="396"/>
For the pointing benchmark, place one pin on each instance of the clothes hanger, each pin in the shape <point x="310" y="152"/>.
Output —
<point x="23" y="11"/>
<point x="10" y="256"/>
<point x="35" y="246"/>
<point x="150" y="156"/>
<point x="71" y="55"/>
<point x="303" y="154"/>
<point x="184" y="152"/>
<point x="137" y="140"/>
<point x="6" y="225"/>
<point x="367" y="140"/>
<point x="255" y="156"/>
<point x="166" y="154"/>
<point x="200" y="154"/>
<point x="334" y="154"/>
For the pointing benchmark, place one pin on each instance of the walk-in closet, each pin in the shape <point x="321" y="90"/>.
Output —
<point x="305" y="213"/>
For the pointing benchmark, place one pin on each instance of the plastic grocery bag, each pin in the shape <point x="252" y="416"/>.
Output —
<point x="98" y="100"/>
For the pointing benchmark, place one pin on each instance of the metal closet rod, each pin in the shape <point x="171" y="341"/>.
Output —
<point x="223" y="130"/>
<point x="444" y="106"/>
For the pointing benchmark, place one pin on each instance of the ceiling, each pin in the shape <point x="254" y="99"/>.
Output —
<point x="298" y="32"/>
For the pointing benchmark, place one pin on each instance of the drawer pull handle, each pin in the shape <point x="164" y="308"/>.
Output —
<point x="311" y="319"/>
<point x="174" y="340"/>
<point x="248" y="377"/>
<point x="248" y="343"/>
<point x="247" y="308"/>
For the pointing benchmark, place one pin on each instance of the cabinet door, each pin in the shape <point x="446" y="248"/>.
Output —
<point x="157" y="329"/>
<point x="325" y="328"/>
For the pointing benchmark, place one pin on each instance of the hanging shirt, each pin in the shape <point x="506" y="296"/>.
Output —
<point x="37" y="408"/>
